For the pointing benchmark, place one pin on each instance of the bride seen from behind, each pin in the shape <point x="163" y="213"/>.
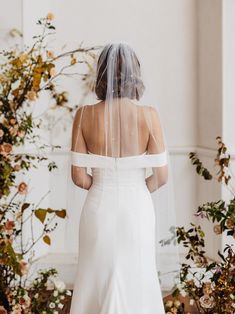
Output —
<point x="118" y="139"/>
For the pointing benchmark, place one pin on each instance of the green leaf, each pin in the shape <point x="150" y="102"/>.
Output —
<point x="47" y="239"/>
<point x="61" y="213"/>
<point x="40" y="213"/>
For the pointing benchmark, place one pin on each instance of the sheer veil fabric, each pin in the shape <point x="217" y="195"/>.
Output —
<point x="117" y="142"/>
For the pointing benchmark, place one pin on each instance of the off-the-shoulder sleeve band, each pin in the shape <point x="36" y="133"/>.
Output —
<point x="99" y="161"/>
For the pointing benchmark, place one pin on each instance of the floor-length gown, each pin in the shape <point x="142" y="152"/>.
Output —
<point x="116" y="271"/>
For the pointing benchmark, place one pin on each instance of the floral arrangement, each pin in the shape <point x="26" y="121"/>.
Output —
<point x="210" y="285"/>
<point x="24" y="76"/>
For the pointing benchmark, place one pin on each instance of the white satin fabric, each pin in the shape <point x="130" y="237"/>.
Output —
<point x="117" y="271"/>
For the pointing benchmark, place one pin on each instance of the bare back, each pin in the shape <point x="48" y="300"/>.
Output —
<point x="134" y="130"/>
<point x="121" y="138"/>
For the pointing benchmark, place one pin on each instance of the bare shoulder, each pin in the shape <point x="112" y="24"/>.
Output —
<point x="150" y="112"/>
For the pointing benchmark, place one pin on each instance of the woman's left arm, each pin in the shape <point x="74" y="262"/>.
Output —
<point x="80" y="176"/>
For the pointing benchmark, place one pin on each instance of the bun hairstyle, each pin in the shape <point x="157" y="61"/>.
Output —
<point x="118" y="73"/>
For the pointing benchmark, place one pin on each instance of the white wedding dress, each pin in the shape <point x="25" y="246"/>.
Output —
<point x="117" y="271"/>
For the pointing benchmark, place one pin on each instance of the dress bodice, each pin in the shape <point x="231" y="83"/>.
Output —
<point x="115" y="171"/>
<point x="135" y="161"/>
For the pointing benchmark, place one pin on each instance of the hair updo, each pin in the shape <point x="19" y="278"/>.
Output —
<point x="118" y="72"/>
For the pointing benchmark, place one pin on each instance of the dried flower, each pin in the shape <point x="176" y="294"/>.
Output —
<point x="17" y="167"/>
<point x="207" y="302"/>
<point x="229" y="224"/>
<point x="59" y="285"/>
<point x="5" y="149"/>
<point x="52" y="71"/>
<point x="21" y="133"/>
<point x="50" y="54"/>
<point x="9" y="225"/>
<point x="50" y="16"/>
<point x="217" y="229"/>
<point x="12" y="121"/>
<point x="169" y="303"/>
<point x="31" y="95"/>
<point x="23" y="267"/>
<point x="207" y="288"/>
<point x="22" y="188"/>
<point x="13" y="130"/>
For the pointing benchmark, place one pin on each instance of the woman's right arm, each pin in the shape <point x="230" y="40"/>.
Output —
<point x="156" y="145"/>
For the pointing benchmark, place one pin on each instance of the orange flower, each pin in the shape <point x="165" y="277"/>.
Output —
<point x="50" y="16"/>
<point x="22" y="188"/>
<point x="217" y="229"/>
<point x="5" y="149"/>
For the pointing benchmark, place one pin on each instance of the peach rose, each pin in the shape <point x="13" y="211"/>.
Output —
<point x="12" y="121"/>
<point x="50" y="16"/>
<point x="22" y="188"/>
<point x="217" y="229"/>
<point x="1" y="133"/>
<point x="5" y="149"/>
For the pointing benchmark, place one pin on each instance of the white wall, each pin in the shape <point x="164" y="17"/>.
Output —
<point x="180" y="46"/>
